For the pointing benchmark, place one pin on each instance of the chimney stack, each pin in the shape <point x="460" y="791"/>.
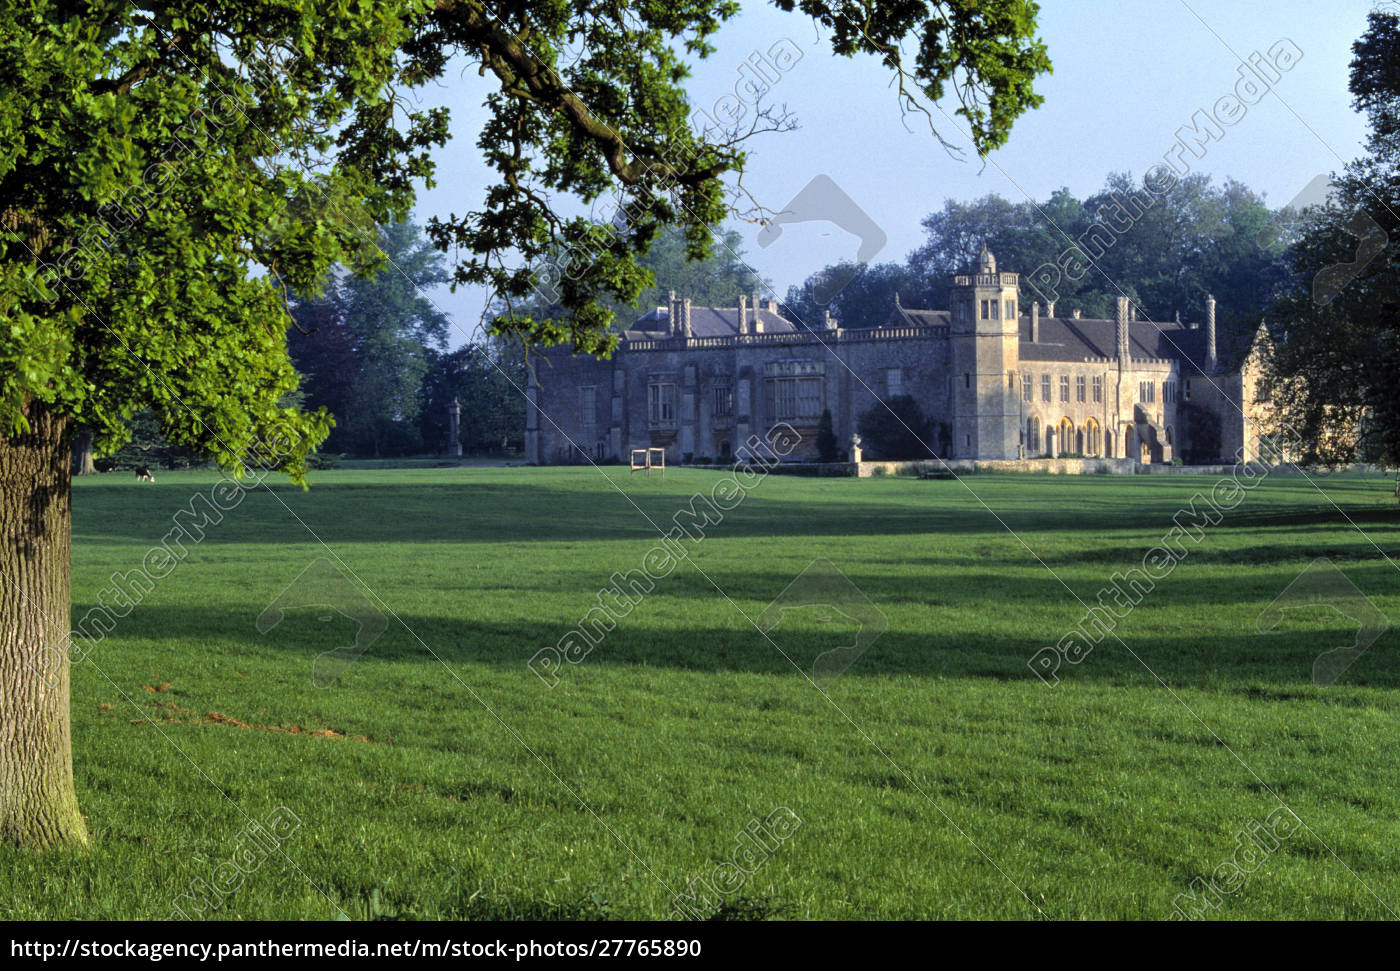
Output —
<point x="1035" y="321"/>
<point x="685" y="318"/>
<point x="672" y="318"/>
<point x="743" y="314"/>
<point x="1211" y="360"/>
<point x="1120" y="331"/>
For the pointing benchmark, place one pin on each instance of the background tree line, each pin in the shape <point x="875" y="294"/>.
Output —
<point x="1197" y="238"/>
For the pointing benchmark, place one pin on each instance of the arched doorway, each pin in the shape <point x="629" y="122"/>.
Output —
<point x="1067" y="438"/>
<point x="1091" y="437"/>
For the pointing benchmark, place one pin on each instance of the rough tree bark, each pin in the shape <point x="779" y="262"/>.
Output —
<point x="38" y="804"/>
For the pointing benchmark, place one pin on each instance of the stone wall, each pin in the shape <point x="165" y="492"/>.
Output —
<point x="580" y="404"/>
<point x="1090" y="466"/>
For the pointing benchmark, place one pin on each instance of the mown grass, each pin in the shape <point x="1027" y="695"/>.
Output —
<point x="937" y="777"/>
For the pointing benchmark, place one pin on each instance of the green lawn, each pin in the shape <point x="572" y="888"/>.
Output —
<point x="439" y="777"/>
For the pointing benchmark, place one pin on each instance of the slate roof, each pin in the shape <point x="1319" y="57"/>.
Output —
<point x="708" y="322"/>
<point x="907" y="317"/>
<point x="1068" y="339"/>
<point x="1060" y="338"/>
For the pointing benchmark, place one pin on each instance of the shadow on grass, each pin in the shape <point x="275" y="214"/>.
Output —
<point x="1243" y="659"/>
<point x="529" y="512"/>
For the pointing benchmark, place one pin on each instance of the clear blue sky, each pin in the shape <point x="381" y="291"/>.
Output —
<point x="1127" y="75"/>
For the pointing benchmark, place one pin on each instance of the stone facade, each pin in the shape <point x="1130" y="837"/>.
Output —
<point x="1000" y="384"/>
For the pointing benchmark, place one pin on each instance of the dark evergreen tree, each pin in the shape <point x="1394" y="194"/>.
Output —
<point x="1335" y="350"/>
<point x="897" y="430"/>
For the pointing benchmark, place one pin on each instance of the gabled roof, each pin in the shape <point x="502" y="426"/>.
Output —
<point x="708" y="322"/>
<point x="1070" y="339"/>
<point x="908" y="317"/>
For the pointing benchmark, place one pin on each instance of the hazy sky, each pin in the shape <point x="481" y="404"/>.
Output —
<point x="1127" y="76"/>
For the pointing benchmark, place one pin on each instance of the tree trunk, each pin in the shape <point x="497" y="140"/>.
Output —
<point x="38" y="805"/>
<point x="82" y="452"/>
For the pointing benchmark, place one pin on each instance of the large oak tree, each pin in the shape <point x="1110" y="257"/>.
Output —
<point x="171" y="171"/>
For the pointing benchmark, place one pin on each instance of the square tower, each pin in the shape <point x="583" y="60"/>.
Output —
<point x="985" y="336"/>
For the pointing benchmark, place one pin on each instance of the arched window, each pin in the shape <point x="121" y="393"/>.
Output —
<point x="1066" y="436"/>
<point x="1171" y="436"/>
<point x="1092" y="444"/>
<point x="1033" y="446"/>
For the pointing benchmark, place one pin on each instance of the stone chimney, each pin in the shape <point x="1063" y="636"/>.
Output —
<point x="1211" y="360"/>
<point x="743" y="314"/>
<point x="757" y="320"/>
<point x="1120" y="331"/>
<point x="1035" y="321"/>
<point x="685" y="318"/>
<point x="1050" y="308"/>
<point x="770" y="305"/>
<point x="673" y="324"/>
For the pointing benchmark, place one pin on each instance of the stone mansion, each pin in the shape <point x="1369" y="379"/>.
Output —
<point x="1002" y="381"/>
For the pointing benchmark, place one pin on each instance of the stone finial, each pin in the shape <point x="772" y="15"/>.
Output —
<point x="986" y="262"/>
<point x="855" y="447"/>
<point x="1050" y="308"/>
